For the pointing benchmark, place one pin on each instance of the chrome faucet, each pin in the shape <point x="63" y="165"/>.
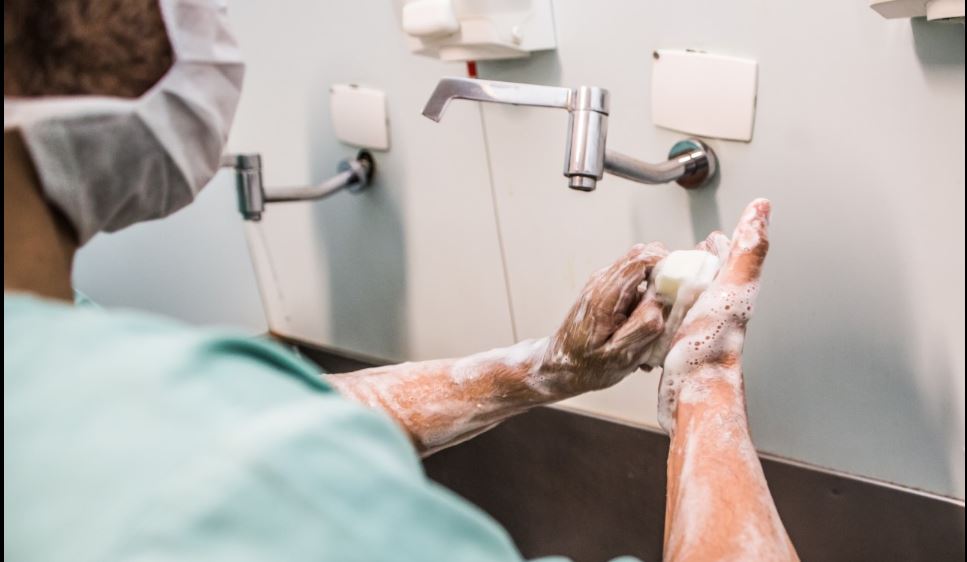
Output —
<point x="691" y="162"/>
<point x="353" y="175"/>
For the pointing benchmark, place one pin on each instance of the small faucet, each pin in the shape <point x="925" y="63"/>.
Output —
<point x="354" y="175"/>
<point x="691" y="162"/>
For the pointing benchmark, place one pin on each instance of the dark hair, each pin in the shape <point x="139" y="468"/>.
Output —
<point x="83" y="47"/>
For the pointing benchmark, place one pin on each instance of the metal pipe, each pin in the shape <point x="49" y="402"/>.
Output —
<point x="353" y="176"/>
<point x="318" y="191"/>
<point x="690" y="162"/>
<point x="633" y="169"/>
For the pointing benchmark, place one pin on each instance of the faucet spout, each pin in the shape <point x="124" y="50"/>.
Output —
<point x="494" y="92"/>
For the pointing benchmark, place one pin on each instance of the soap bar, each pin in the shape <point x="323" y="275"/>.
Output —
<point x="692" y="268"/>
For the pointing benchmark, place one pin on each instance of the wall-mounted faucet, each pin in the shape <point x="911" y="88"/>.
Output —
<point x="691" y="163"/>
<point x="353" y="175"/>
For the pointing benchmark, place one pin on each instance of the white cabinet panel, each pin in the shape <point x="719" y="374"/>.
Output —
<point x="409" y="269"/>
<point x="856" y="358"/>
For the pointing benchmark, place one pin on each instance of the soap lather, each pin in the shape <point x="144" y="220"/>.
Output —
<point x="678" y="281"/>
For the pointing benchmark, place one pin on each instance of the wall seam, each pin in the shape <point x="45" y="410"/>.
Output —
<point x="500" y="235"/>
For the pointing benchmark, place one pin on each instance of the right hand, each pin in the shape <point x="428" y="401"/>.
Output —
<point x="708" y="346"/>
<point x="609" y="328"/>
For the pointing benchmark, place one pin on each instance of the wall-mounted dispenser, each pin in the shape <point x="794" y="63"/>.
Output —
<point x="934" y="10"/>
<point x="465" y="30"/>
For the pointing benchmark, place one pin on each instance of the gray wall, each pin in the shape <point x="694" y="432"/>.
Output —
<point x="193" y="265"/>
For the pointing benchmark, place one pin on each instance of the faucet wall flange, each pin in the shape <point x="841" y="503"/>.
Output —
<point x="701" y="165"/>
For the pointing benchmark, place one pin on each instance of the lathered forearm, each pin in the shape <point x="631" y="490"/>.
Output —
<point x="718" y="505"/>
<point x="444" y="402"/>
<point x="602" y="340"/>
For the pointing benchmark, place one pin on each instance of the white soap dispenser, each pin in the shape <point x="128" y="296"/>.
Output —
<point x="471" y="30"/>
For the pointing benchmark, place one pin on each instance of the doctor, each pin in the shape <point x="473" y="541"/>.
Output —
<point x="129" y="436"/>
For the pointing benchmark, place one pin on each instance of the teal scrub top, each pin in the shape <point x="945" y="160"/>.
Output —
<point x="131" y="437"/>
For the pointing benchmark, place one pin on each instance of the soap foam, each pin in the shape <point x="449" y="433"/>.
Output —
<point x="439" y="402"/>
<point x="711" y="436"/>
<point x="716" y="329"/>
<point x="688" y="293"/>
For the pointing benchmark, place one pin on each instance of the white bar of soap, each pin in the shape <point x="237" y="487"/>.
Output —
<point x="693" y="268"/>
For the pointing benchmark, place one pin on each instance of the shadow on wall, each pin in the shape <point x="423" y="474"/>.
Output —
<point x="368" y="296"/>
<point x="938" y="44"/>
<point x="703" y="209"/>
<point x="940" y="50"/>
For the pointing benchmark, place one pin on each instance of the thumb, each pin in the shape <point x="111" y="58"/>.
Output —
<point x="750" y="244"/>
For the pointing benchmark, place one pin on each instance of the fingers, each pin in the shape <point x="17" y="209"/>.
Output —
<point x="716" y="244"/>
<point x="616" y="286"/>
<point x="612" y="293"/>
<point x="750" y="244"/>
<point x="643" y="326"/>
<point x="611" y="298"/>
<point x="643" y="258"/>
<point x="621" y="292"/>
<point x="649" y="254"/>
<point x="707" y="245"/>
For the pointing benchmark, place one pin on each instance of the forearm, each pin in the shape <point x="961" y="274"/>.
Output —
<point x="602" y="339"/>
<point x="441" y="403"/>
<point x="719" y="506"/>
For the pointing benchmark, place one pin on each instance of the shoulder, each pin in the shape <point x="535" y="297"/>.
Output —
<point x="152" y="423"/>
<point x="199" y="445"/>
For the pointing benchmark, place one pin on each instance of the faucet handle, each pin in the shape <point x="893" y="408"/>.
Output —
<point x="510" y="93"/>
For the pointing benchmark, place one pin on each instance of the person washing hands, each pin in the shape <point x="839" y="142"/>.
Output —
<point x="128" y="436"/>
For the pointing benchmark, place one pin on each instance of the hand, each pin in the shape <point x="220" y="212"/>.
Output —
<point x="707" y="349"/>
<point x="608" y="330"/>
